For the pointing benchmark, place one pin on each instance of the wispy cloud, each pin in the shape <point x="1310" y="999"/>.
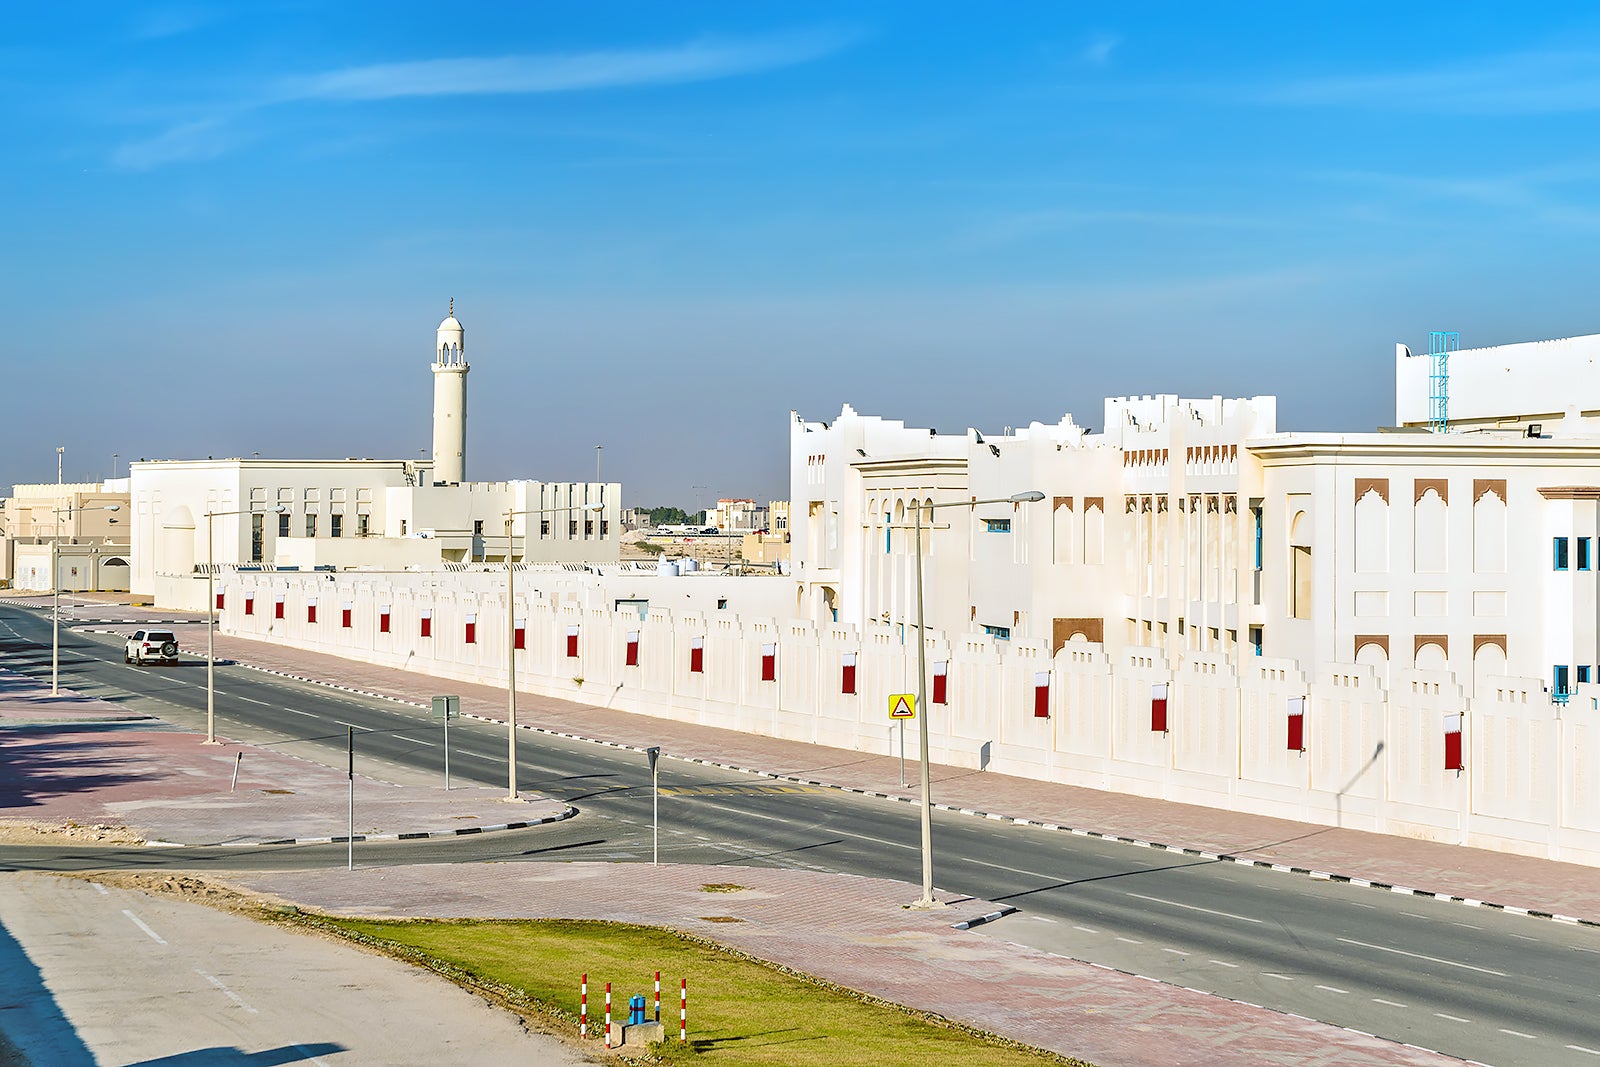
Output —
<point x="555" y="73"/>
<point x="706" y="59"/>
<point x="1098" y="51"/>
<point x="1516" y="84"/>
<point x="1531" y="195"/>
<point x="1028" y="224"/>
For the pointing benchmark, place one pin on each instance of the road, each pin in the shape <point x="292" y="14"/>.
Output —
<point x="1479" y="984"/>
<point x="173" y="982"/>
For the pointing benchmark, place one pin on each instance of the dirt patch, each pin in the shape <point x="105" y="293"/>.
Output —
<point x="21" y="832"/>
<point x="188" y="887"/>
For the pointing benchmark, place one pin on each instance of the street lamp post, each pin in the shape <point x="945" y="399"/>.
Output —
<point x="927" y="900"/>
<point x="211" y="615"/>
<point x="55" y="590"/>
<point x="511" y="636"/>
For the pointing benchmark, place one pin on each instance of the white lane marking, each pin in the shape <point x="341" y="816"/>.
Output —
<point x="307" y="714"/>
<point x="1580" y="1048"/>
<point x="1420" y="956"/>
<point x="1192" y="907"/>
<point x="1452" y="1018"/>
<point x="1279" y="977"/>
<point x="101" y="889"/>
<point x="1176" y="951"/>
<point x="1223" y="963"/>
<point x="140" y="924"/>
<point x="1518" y="1033"/>
<point x="1086" y="930"/>
<point x="230" y="994"/>
<point x="352" y="725"/>
<point x="1469" y="926"/>
<point x="1331" y="989"/>
<point x="1524" y="937"/>
<point x="1041" y="919"/>
<point x="1369" y="907"/>
<point x="1582" y="949"/>
<point x="309" y="1056"/>
<point x="416" y="741"/>
<point x="1130" y="940"/>
<point x="1391" y="1003"/>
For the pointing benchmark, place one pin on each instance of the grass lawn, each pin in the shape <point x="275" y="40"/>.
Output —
<point x="741" y="1011"/>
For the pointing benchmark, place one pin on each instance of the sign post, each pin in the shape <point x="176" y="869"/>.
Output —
<point x="902" y="706"/>
<point x="654" y="752"/>
<point x="350" y="839"/>
<point x="447" y="708"/>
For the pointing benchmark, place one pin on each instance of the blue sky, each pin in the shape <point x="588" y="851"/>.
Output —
<point x="233" y="228"/>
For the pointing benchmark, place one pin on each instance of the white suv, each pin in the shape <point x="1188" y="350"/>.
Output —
<point x="145" y="646"/>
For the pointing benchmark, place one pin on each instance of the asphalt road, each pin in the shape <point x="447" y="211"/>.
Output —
<point x="1479" y="984"/>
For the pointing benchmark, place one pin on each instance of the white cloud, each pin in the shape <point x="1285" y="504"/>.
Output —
<point x="187" y="142"/>
<point x="1517" y="84"/>
<point x="552" y="73"/>
<point x="1098" y="51"/>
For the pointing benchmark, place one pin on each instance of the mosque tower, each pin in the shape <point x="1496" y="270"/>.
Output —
<point x="450" y="402"/>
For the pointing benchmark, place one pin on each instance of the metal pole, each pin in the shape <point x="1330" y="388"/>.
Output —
<point x="447" y="750"/>
<point x="655" y="815"/>
<point x="511" y="659"/>
<point x="211" y="629"/>
<point x="926" y="900"/>
<point x="55" y="610"/>
<point x="902" y="753"/>
<point x="350" y="838"/>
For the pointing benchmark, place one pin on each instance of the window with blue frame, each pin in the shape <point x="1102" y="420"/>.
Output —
<point x="1002" y="633"/>
<point x="1583" y="553"/>
<point x="1257" y="513"/>
<point x="1559" y="562"/>
<point x="1561" y="680"/>
<point x="1255" y="639"/>
<point x="888" y="534"/>
<point x="997" y="525"/>
<point x="1583" y="674"/>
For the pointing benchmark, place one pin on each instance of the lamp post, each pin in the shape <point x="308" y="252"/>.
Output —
<point x="211" y="615"/>
<point x="55" y="589"/>
<point x="927" y="900"/>
<point x="511" y="635"/>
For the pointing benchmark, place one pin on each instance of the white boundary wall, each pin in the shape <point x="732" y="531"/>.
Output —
<point x="1373" y="759"/>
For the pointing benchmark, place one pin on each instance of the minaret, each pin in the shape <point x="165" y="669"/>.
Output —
<point x="450" y="402"/>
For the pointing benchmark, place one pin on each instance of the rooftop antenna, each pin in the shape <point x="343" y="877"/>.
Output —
<point x="1440" y="344"/>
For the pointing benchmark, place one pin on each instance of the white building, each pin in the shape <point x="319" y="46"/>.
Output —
<point x="357" y="513"/>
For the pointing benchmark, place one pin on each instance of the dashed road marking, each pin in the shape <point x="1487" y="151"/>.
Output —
<point x="1279" y="977"/>
<point x="1390" y="1003"/>
<point x="1130" y="940"/>
<point x="1223" y="963"/>
<point x="1518" y="1033"/>
<point x="1086" y="930"/>
<point x="1333" y="989"/>
<point x="230" y="994"/>
<point x="140" y="923"/>
<point x="1580" y="1048"/>
<point x="1193" y="907"/>
<point x="1452" y="1018"/>
<point x="1420" y="956"/>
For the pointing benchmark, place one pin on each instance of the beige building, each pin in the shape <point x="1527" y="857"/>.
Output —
<point x="94" y="540"/>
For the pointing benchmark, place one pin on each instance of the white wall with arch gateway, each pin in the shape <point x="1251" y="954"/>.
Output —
<point x="1520" y="774"/>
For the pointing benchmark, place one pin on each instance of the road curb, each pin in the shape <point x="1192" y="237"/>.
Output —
<point x="464" y="831"/>
<point x="1005" y="909"/>
<point x="1221" y="857"/>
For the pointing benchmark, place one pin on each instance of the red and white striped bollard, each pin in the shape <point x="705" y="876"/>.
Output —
<point x="608" y="1015"/>
<point x="683" y="1011"/>
<point x="583" y="1006"/>
<point x="658" y="996"/>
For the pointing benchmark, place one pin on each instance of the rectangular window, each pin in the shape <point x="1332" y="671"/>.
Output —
<point x="249" y="604"/>
<point x="477" y="527"/>
<point x="425" y="624"/>
<point x="219" y="601"/>
<point x="1583" y="674"/>
<point x="383" y="619"/>
<point x="363" y="524"/>
<point x="544" y="527"/>
<point x="346" y="615"/>
<point x="1158" y="708"/>
<point x="472" y="630"/>
<point x="1583" y="553"/>
<point x="311" y="610"/>
<point x="1041" y="694"/>
<point x="605" y="527"/>
<point x="1297" y="724"/>
<point x="311" y="526"/>
<point x="335" y="525"/>
<point x="277" y="608"/>
<point x="519" y="634"/>
<point x="997" y="525"/>
<point x="1255" y="639"/>
<point x="1002" y="633"/>
<point x="941" y="678"/>
<point x="572" y="642"/>
<point x="847" y="674"/>
<point x="1452" y="742"/>
<point x="697" y="655"/>
<point x="283" y="526"/>
<point x="1563" y="675"/>
<point x="1560" y="554"/>
<point x="572" y="528"/>
<point x="888" y="534"/>
<point x="257" y="538"/>
<point x="632" y="650"/>
<point x="588" y="527"/>
<point x="769" y="663"/>
<point x="1256" y="513"/>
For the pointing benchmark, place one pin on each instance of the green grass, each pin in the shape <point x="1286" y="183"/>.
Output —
<point x="741" y="1011"/>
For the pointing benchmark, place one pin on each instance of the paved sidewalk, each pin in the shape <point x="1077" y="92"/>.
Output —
<point x="1537" y="885"/>
<point x="170" y="787"/>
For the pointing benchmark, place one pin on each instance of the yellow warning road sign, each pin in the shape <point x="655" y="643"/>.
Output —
<point x="902" y="705"/>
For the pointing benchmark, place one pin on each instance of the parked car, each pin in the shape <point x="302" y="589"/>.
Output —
<point x="151" y="646"/>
